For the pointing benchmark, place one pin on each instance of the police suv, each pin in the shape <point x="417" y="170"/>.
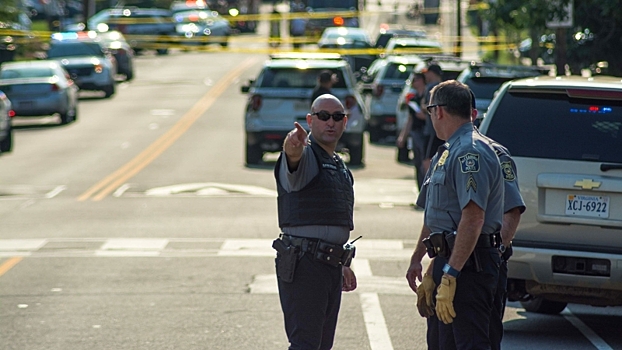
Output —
<point x="565" y="135"/>
<point x="281" y="95"/>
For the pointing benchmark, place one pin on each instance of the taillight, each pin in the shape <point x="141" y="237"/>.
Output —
<point x="350" y="102"/>
<point x="55" y="87"/>
<point x="338" y="21"/>
<point x="256" y="102"/>
<point x="11" y="113"/>
<point x="378" y="90"/>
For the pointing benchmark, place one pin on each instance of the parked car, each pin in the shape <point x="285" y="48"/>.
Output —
<point x="387" y="33"/>
<point x="486" y="78"/>
<point x="144" y="28"/>
<point x="6" y="127"/>
<point x="345" y="38"/>
<point x="39" y="88"/>
<point x="114" y="43"/>
<point x="385" y="81"/>
<point x="88" y="64"/>
<point x="200" y="27"/>
<point x="412" y="46"/>
<point x="281" y="95"/>
<point x="565" y="135"/>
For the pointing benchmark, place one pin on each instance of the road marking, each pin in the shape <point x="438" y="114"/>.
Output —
<point x="597" y="341"/>
<point x="7" y="265"/>
<point x="111" y="182"/>
<point x="53" y="193"/>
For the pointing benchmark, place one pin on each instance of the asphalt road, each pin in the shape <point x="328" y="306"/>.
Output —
<point x="139" y="227"/>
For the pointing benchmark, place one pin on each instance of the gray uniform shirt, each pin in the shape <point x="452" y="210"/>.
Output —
<point x="512" y="197"/>
<point x="467" y="169"/>
<point x="295" y="181"/>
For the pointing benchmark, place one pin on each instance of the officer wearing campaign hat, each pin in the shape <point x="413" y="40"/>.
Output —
<point x="464" y="199"/>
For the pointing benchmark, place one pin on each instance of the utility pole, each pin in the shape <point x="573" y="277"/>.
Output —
<point x="458" y="52"/>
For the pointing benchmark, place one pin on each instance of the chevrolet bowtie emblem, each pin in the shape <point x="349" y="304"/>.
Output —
<point x="587" y="184"/>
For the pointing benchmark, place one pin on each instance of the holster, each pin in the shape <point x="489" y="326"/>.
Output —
<point x="333" y="254"/>
<point x="286" y="260"/>
<point x="440" y="243"/>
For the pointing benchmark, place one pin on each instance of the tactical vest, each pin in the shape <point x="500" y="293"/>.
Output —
<point x="328" y="199"/>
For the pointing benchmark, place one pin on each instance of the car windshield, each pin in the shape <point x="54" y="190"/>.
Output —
<point x="485" y="87"/>
<point x="75" y="49"/>
<point x="17" y="73"/>
<point x="559" y="127"/>
<point x="296" y="78"/>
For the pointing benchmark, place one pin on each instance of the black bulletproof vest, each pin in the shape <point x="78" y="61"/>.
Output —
<point x="327" y="200"/>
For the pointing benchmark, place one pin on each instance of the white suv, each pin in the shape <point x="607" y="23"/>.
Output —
<point x="281" y="95"/>
<point x="385" y="81"/>
<point x="565" y="134"/>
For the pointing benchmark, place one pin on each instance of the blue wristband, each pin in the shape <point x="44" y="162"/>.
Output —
<point x="451" y="271"/>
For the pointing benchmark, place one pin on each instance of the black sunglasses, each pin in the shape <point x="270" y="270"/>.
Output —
<point x="431" y="107"/>
<point x="324" y="116"/>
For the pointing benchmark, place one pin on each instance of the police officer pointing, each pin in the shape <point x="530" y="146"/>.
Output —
<point x="315" y="209"/>
<point x="464" y="207"/>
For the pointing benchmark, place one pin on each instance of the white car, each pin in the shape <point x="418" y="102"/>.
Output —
<point x="413" y="46"/>
<point x="281" y="95"/>
<point x="387" y="77"/>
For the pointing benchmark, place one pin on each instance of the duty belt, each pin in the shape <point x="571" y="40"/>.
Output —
<point x="487" y="240"/>
<point x="328" y="253"/>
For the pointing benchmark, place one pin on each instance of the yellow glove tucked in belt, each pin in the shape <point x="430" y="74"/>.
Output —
<point x="424" y="296"/>
<point x="445" y="300"/>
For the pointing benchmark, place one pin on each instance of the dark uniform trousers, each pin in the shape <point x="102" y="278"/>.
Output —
<point x="473" y="303"/>
<point x="498" y="309"/>
<point x="311" y="304"/>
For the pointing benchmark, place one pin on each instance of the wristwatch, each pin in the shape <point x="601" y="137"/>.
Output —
<point x="451" y="271"/>
<point x="502" y="248"/>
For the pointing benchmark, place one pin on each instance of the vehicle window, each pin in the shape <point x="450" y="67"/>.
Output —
<point x="556" y="126"/>
<point x="295" y="78"/>
<point x="26" y="73"/>
<point x="485" y="87"/>
<point x="398" y="71"/>
<point x="75" y="49"/>
<point x="346" y="4"/>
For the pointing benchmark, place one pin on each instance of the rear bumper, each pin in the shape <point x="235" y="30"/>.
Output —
<point x="536" y="266"/>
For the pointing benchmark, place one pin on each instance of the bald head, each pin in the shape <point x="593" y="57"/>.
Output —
<point x="323" y="100"/>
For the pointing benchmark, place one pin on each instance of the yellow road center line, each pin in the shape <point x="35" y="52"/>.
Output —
<point x="134" y="166"/>
<point x="7" y="265"/>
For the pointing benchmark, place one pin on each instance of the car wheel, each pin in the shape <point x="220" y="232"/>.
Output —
<point x="109" y="90"/>
<point x="162" y="51"/>
<point x="356" y="154"/>
<point x="543" y="306"/>
<point x="254" y="154"/>
<point x="129" y="75"/>
<point x="374" y="135"/>
<point x="6" y="145"/>
<point x="225" y="43"/>
<point x="68" y="117"/>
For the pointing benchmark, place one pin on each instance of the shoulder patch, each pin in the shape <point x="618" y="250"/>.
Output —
<point x="508" y="171"/>
<point x="469" y="163"/>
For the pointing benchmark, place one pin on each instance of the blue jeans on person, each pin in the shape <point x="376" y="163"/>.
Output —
<point x="311" y="304"/>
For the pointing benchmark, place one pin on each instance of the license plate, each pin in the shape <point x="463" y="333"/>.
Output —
<point x="592" y="206"/>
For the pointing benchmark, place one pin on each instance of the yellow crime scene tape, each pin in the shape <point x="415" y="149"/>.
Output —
<point x="157" y="41"/>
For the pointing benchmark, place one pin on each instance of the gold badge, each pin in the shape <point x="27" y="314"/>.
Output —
<point x="442" y="160"/>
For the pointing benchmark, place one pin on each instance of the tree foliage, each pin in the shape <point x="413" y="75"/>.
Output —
<point x="596" y="34"/>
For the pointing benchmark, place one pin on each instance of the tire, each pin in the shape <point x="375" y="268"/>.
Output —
<point x="6" y="145"/>
<point x="129" y="75"/>
<point x="254" y="155"/>
<point x="162" y="51"/>
<point x="543" y="306"/>
<point x="68" y="117"/>
<point x="374" y="135"/>
<point x="356" y="155"/>
<point x="109" y="90"/>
